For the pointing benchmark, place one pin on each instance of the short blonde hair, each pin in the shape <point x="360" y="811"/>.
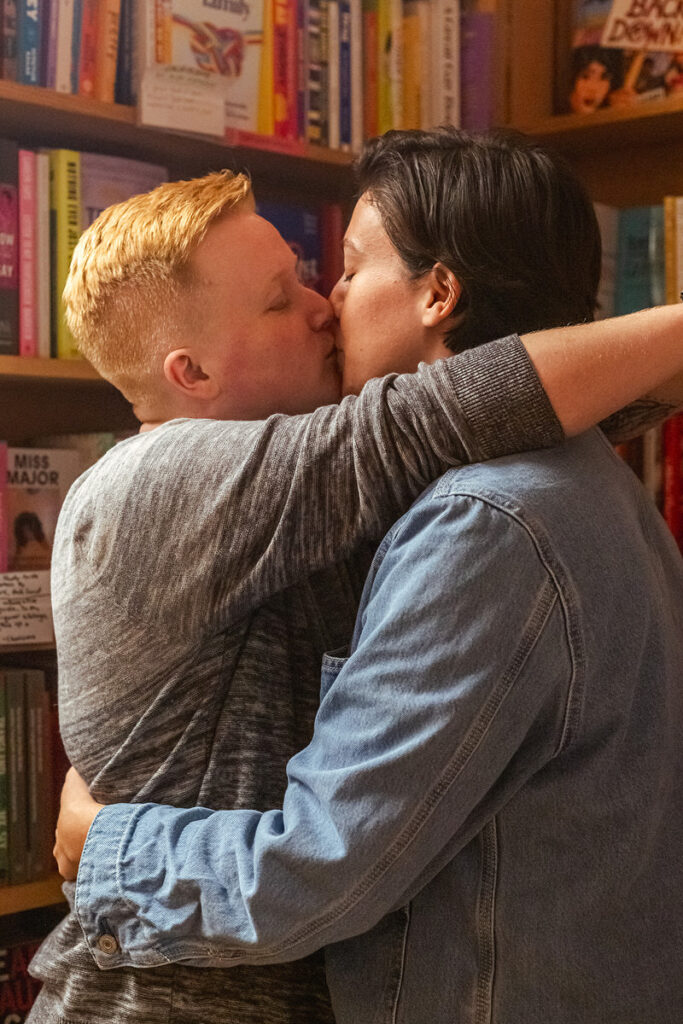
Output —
<point x="128" y="290"/>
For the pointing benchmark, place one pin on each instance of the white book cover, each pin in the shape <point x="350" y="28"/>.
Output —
<point x="43" y="254"/>
<point x="65" y="24"/>
<point x="37" y="483"/>
<point x="333" y="96"/>
<point x="202" y="59"/>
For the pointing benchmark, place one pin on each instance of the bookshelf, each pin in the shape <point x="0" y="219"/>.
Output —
<point x="15" y="899"/>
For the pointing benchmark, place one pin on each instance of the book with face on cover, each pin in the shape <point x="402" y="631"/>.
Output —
<point x="37" y="482"/>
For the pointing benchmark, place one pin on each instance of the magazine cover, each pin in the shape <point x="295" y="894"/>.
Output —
<point x="622" y="54"/>
<point x="216" y="38"/>
<point x="37" y="482"/>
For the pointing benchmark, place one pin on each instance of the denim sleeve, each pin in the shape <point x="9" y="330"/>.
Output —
<point x="455" y="694"/>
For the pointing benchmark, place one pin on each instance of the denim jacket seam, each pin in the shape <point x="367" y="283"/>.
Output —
<point x="486" y="924"/>
<point x="573" y="632"/>
<point x="402" y="967"/>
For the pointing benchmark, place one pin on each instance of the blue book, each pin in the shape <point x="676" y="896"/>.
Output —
<point x="640" y="259"/>
<point x="29" y="18"/>
<point x="301" y="229"/>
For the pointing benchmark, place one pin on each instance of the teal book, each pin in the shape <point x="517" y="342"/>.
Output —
<point x="640" y="259"/>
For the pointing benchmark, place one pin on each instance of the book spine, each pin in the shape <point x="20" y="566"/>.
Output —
<point x="28" y="42"/>
<point x="109" y="20"/>
<point x="28" y="344"/>
<point x="86" y="73"/>
<point x="653" y="443"/>
<point x="40" y="810"/>
<point x="332" y="232"/>
<point x="446" y="37"/>
<point x="284" y="68"/>
<point x="9" y="248"/>
<point x="345" y="75"/>
<point x="412" y="67"/>
<point x="302" y="61"/>
<point x="4" y="513"/>
<point x="477" y="64"/>
<point x="266" y="108"/>
<point x="43" y="255"/>
<point x="384" y="47"/>
<point x="356" y="75"/>
<point x="370" y="65"/>
<point x="333" y="111"/>
<point x="671" y="505"/>
<point x="395" y="68"/>
<point x="51" y="32"/>
<point x="316" y="100"/>
<point x="4" y="783"/>
<point x="65" y="209"/>
<point x="75" y="62"/>
<point x="65" y="22"/>
<point x="16" y="755"/>
<point x="9" y="40"/>
<point x="123" y="87"/>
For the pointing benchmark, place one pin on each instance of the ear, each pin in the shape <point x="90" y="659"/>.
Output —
<point x="185" y="374"/>
<point x="443" y="294"/>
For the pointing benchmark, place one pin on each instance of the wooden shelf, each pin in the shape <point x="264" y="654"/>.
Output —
<point x="25" y="649"/>
<point x="45" y="893"/>
<point x="22" y="368"/>
<point x="39" y="116"/>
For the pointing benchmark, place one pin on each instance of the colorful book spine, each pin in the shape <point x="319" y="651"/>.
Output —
<point x="109" y="20"/>
<point x="29" y="20"/>
<point x="28" y="339"/>
<point x="38" y="740"/>
<point x="124" y="91"/>
<point x="478" y="64"/>
<point x="446" y="64"/>
<point x="4" y="512"/>
<point x="302" y="60"/>
<point x="333" y="83"/>
<point x="88" y="63"/>
<point x="9" y="40"/>
<point x="413" y="74"/>
<point x="332" y="234"/>
<point x="316" y="92"/>
<point x="9" y="248"/>
<point x="634" y="263"/>
<point x="285" y="70"/>
<point x="357" y="86"/>
<point x="50" y="34"/>
<point x="265" y="119"/>
<point x="671" y="466"/>
<point x="673" y="247"/>
<point x="16" y="756"/>
<point x="18" y="990"/>
<point x="43" y="284"/>
<point x="65" y="221"/>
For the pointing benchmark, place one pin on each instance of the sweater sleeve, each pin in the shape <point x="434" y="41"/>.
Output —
<point x="199" y="521"/>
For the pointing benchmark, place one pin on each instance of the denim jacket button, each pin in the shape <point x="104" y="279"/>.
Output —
<point x="107" y="944"/>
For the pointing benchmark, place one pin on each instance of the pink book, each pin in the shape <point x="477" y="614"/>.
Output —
<point x="27" y="253"/>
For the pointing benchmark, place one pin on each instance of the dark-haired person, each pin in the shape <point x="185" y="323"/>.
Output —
<point x="341" y="857"/>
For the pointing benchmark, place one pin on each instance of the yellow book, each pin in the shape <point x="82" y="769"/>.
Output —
<point x="65" y="230"/>
<point x="412" y="67"/>
<point x="266" y="104"/>
<point x="673" y="247"/>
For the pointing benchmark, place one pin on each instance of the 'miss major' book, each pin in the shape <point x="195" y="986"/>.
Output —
<point x="37" y="483"/>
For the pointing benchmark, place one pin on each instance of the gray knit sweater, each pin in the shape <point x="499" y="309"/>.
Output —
<point x="200" y="571"/>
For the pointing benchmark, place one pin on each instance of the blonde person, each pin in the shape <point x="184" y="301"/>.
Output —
<point x="203" y="568"/>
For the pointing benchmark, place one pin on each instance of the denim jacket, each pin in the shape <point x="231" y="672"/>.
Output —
<point x="487" y="826"/>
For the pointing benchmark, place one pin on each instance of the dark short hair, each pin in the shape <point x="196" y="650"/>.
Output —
<point x="592" y="53"/>
<point x="510" y="220"/>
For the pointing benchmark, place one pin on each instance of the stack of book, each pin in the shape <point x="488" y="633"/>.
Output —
<point x="18" y="990"/>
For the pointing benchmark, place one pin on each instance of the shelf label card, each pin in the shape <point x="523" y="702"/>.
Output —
<point x="644" y="25"/>
<point x="25" y="611"/>
<point x="180" y="99"/>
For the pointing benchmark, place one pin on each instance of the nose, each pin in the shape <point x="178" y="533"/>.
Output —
<point x="337" y="297"/>
<point x="321" y="312"/>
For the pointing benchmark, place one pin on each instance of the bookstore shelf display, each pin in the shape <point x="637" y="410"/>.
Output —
<point x="41" y="397"/>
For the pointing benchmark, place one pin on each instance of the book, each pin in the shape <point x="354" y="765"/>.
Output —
<point x="17" y="824"/>
<point x="89" y="446"/>
<point x="607" y="69"/>
<point x="220" y="50"/>
<point x="344" y="57"/>
<point x="9" y="248"/>
<point x="18" y="990"/>
<point x="640" y="258"/>
<point x="332" y="235"/>
<point x="300" y="227"/>
<point x="285" y="71"/>
<point x="50" y="46"/>
<point x="28" y="339"/>
<point x="37" y="483"/>
<point x="108" y="26"/>
<point x="4" y="528"/>
<point x="65" y="230"/>
<point x="124" y="87"/>
<point x="673" y="247"/>
<point x="333" y="82"/>
<point x="40" y="815"/>
<point x="63" y="44"/>
<point x="608" y="222"/>
<point x="671" y="483"/>
<point x="76" y="40"/>
<point x="106" y="180"/>
<point x="4" y="788"/>
<point x="446" y="62"/>
<point x="478" y="62"/>
<point x="414" y="74"/>
<point x="370" y="68"/>
<point x="357" y="87"/>
<point x="318" y="56"/>
<point x="88" y="49"/>
<point x="8" y="55"/>
<point x="43" y="258"/>
<point x="30" y="15"/>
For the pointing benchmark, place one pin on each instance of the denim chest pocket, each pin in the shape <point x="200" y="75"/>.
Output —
<point x="332" y="664"/>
